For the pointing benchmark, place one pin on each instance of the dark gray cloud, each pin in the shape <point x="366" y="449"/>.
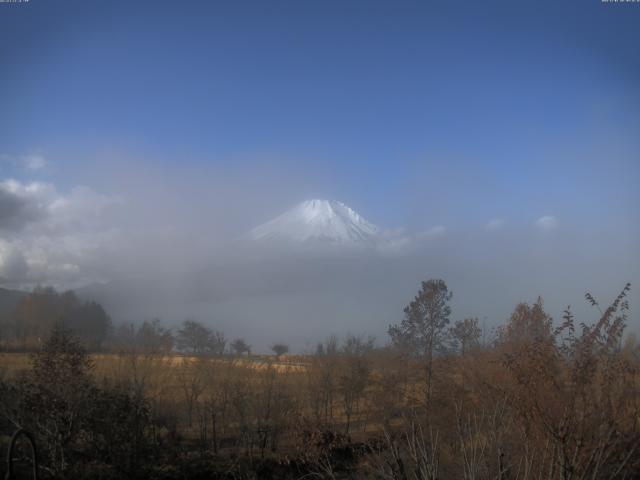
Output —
<point x="19" y="206"/>
<point x="47" y="237"/>
<point x="13" y="266"/>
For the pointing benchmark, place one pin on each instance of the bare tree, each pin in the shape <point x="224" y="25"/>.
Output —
<point x="197" y="339"/>
<point x="152" y="337"/>
<point x="280" y="349"/>
<point x="355" y="372"/>
<point x="407" y="456"/>
<point x="466" y="333"/>
<point x="240" y="347"/>
<point x="422" y="331"/>
<point x="191" y="376"/>
<point x="59" y="394"/>
<point x="572" y="389"/>
<point x="322" y="378"/>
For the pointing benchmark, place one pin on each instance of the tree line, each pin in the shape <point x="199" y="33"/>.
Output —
<point x="29" y="322"/>
<point x="542" y="399"/>
<point x="25" y="327"/>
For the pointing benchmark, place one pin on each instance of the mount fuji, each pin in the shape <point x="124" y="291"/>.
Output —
<point x="325" y="222"/>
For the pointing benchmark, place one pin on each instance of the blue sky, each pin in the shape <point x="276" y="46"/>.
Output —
<point x="416" y="114"/>
<point x="521" y="96"/>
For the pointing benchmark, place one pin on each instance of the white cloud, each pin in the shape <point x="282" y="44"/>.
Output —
<point x="49" y="237"/>
<point x="547" y="222"/>
<point x="33" y="189"/>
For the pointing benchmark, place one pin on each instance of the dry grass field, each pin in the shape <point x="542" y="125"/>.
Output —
<point x="12" y="363"/>
<point x="532" y="404"/>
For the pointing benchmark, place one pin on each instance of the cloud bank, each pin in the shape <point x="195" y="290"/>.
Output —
<point x="162" y="245"/>
<point x="48" y="237"/>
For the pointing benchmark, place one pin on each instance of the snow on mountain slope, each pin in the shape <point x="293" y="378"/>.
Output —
<point x="323" y="221"/>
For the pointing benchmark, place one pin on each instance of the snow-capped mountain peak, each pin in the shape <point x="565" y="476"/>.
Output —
<point x="326" y="221"/>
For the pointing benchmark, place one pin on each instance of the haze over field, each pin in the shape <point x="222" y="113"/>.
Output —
<point x="158" y="161"/>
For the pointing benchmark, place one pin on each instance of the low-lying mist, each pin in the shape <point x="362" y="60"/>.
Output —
<point x="299" y="297"/>
<point x="154" y="244"/>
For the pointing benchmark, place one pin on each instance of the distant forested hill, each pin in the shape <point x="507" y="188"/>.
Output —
<point x="9" y="299"/>
<point x="26" y="318"/>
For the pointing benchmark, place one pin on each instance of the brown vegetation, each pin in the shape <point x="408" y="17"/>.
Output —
<point x="537" y="402"/>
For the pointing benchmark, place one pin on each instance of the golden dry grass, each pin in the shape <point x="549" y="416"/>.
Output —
<point x="106" y="364"/>
<point x="12" y="364"/>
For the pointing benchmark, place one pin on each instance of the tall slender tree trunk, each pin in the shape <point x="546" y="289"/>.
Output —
<point x="214" y="433"/>
<point x="429" y="372"/>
